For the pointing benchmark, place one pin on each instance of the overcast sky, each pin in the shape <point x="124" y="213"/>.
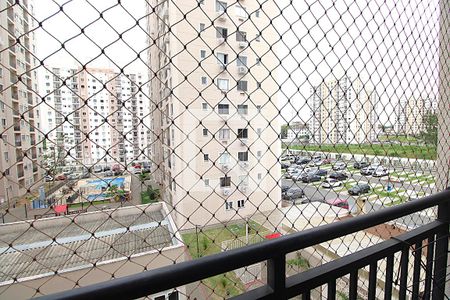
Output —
<point x="390" y="45"/>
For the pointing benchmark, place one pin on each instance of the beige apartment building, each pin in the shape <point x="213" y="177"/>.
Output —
<point x="342" y="112"/>
<point x="20" y="147"/>
<point x="215" y="134"/>
<point x="411" y="112"/>
<point x="95" y="116"/>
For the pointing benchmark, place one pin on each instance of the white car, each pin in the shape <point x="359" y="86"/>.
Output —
<point x="330" y="183"/>
<point x="380" y="172"/>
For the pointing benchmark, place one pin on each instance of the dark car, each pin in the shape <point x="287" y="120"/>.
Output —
<point x="319" y="172"/>
<point x="359" y="189"/>
<point x="284" y="166"/>
<point x="293" y="193"/>
<point x="338" y="176"/>
<point x="285" y="188"/>
<point x="302" y="160"/>
<point x="311" y="178"/>
<point x="360" y="164"/>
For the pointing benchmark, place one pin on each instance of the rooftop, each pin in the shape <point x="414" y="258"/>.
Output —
<point x="82" y="240"/>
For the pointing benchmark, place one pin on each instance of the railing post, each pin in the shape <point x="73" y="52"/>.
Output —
<point x="441" y="254"/>
<point x="276" y="276"/>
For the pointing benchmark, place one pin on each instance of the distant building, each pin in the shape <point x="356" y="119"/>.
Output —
<point x="98" y="247"/>
<point x="410" y="114"/>
<point x="95" y="116"/>
<point x="298" y="131"/>
<point x="20" y="128"/>
<point x="342" y="112"/>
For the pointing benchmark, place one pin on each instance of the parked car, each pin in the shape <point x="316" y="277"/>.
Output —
<point x="48" y="178"/>
<point x="380" y="172"/>
<point x="311" y="178"/>
<point x="360" y="164"/>
<point x="284" y="166"/>
<point x="342" y="203"/>
<point x="74" y="176"/>
<point x="319" y="172"/>
<point x="289" y="157"/>
<point x="299" y="175"/>
<point x="293" y="193"/>
<point x="135" y="170"/>
<point x="338" y="176"/>
<point x="358" y="189"/>
<point x="108" y="174"/>
<point x="61" y="177"/>
<point x="98" y="169"/>
<point x="339" y="166"/>
<point x="285" y="188"/>
<point x="326" y="161"/>
<point x="292" y="168"/>
<point x="292" y="174"/>
<point x="302" y="160"/>
<point x="330" y="183"/>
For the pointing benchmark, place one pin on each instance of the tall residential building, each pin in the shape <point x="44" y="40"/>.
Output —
<point x="342" y="112"/>
<point x="215" y="132"/>
<point x="95" y="116"/>
<point x="410" y="114"/>
<point x="298" y="131"/>
<point x="20" y="144"/>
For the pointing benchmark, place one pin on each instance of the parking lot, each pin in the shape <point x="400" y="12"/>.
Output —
<point x="392" y="188"/>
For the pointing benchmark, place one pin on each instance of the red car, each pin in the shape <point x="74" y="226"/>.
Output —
<point x="61" y="177"/>
<point x="342" y="203"/>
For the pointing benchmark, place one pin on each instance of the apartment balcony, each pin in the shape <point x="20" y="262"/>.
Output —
<point x="18" y="143"/>
<point x="427" y="244"/>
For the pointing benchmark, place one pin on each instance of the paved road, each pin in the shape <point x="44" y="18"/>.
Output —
<point x="313" y="193"/>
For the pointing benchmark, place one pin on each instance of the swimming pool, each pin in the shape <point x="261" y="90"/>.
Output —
<point x="107" y="182"/>
<point x="96" y="197"/>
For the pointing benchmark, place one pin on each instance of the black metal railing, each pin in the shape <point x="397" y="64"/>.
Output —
<point x="435" y="236"/>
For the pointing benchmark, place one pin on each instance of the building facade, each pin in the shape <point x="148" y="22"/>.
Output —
<point x="342" y="112"/>
<point x="411" y="112"/>
<point x="20" y="144"/>
<point x="298" y="131"/>
<point x="215" y="134"/>
<point x="95" y="116"/>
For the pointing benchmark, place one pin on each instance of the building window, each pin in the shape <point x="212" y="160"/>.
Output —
<point x="204" y="80"/>
<point x="258" y="85"/>
<point x="224" y="134"/>
<point x="242" y="133"/>
<point x="225" y="181"/>
<point x="224" y="109"/>
<point x="258" y="38"/>
<point x="224" y="158"/>
<point x="205" y="106"/>
<point x="222" y="84"/>
<point x="242" y="109"/>
<point x="205" y="132"/>
<point x="206" y="157"/>
<point x="241" y="36"/>
<point x="221" y="32"/>
<point x="258" y="153"/>
<point x="228" y="205"/>
<point x="202" y="27"/>
<point x="242" y="85"/>
<point x="243" y="156"/>
<point x="257" y="12"/>
<point x="241" y="203"/>
<point x="202" y="54"/>
<point x="258" y="131"/>
<point x="221" y="6"/>
<point x="241" y="12"/>
<point x="258" y="61"/>
<point x="206" y="182"/>
<point x="241" y="61"/>
<point x="258" y="108"/>
<point x="202" y="2"/>
<point x="259" y="176"/>
<point x="222" y="58"/>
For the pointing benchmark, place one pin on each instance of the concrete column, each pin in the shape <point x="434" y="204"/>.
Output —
<point x="443" y="148"/>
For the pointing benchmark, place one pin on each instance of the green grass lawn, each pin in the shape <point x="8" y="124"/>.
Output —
<point x="86" y="204"/>
<point x="409" y="151"/>
<point x="399" y="138"/>
<point x="210" y="242"/>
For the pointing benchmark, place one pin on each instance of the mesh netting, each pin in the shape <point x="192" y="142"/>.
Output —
<point x="138" y="134"/>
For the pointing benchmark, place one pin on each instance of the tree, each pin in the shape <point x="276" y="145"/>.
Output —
<point x="430" y="135"/>
<point x="284" y="131"/>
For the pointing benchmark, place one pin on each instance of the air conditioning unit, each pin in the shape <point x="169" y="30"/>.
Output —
<point x="225" y="167"/>
<point x="243" y="44"/>
<point x="226" y="192"/>
<point x="242" y="70"/>
<point x="221" y="40"/>
<point x="221" y="16"/>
